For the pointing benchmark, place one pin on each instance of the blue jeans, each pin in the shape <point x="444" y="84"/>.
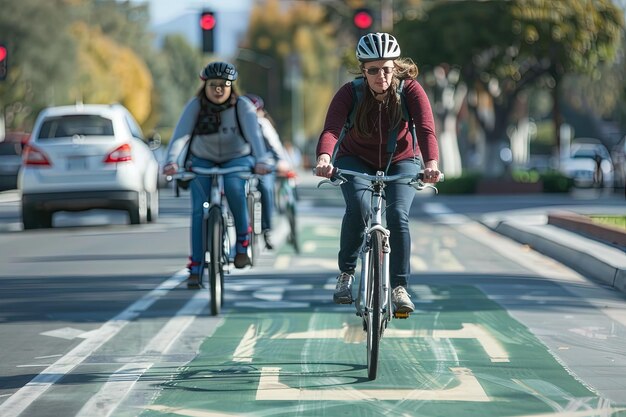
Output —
<point x="235" y="191"/>
<point x="398" y="200"/>
<point x="266" y="187"/>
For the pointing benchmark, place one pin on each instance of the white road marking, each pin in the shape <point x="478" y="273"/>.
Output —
<point x="189" y="412"/>
<point x="245" y="349"/>
<point x="490" y="344"/>
<point x="108" y="398"/>
<point x="271" y="389"/>
<point x="282" y="262"/>
<point x="67" y="333"/>
<point x="25" y="396"/>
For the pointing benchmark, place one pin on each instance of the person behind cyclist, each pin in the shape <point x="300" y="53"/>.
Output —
<point x="267" y="181"/>
<point x="218" y="127"/>
<point x="364" y="149"/>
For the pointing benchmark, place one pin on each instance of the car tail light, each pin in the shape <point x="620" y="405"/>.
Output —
<point x="120" y="154"/>
<point x="32" y="156"/>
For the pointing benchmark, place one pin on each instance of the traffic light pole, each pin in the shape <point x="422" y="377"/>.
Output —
<point x="386" y="15"/>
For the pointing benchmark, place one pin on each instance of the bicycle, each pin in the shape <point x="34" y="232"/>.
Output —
<point x="373" y="303"/>
<point x="217" y="224"/>
<point x="286" y="197"/>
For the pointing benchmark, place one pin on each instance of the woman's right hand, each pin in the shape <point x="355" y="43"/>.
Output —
<point x="324" y="168"/>
<point x="170" y="168"/>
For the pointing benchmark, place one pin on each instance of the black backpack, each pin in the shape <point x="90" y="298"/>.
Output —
<point x="358" y="88"/>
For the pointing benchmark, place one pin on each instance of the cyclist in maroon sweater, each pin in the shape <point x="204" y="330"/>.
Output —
<point x="364" y="149"/>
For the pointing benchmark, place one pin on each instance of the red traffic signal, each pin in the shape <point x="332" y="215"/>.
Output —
<point x="363" y="19"/>
<point x="207" y="25"/>
<point x="3" y="62"/>
<point x="207" y="21"/>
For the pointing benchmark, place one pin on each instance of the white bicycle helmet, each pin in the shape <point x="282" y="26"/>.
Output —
<point x="376" y="46"/>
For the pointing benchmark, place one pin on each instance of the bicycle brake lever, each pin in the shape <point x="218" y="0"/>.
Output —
<point x="336" y="182"/>
<point x="420" y="185"/>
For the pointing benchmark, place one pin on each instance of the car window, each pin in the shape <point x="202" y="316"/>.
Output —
<point x="82" y="124"/>
<point x="135" y="130"/>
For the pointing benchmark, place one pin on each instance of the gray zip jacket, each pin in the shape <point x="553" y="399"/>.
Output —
<point x="226" y="144"/>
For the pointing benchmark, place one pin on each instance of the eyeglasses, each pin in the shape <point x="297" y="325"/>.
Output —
<point x="376" y="70"/>
<point x="216" y="85"/>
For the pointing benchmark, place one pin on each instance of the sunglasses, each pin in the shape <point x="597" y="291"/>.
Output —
<point x="222" y="85"/>
<point x="376" y="70"/>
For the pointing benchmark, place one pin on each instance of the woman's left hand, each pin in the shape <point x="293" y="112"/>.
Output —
<point x="261" y="168"/>
<point x="431" y="172"/>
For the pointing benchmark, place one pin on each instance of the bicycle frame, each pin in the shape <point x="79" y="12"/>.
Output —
<point x="375" y="223"/>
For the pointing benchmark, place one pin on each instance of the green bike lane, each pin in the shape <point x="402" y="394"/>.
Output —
<point x="284" y="349"/>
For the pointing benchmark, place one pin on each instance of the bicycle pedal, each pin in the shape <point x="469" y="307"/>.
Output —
<point x="401" y="315"/>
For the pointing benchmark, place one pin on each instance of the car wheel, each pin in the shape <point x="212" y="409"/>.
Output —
<point x="153" y="208"/>
<point x="138" y="211"/>
<point x="35" y="219"/>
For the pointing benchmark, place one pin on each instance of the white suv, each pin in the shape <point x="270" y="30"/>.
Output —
<point x="85" y="157"/>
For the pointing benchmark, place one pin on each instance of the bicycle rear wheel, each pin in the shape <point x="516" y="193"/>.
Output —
<point x="216" y="267"/>
<point x="373" y="302"/>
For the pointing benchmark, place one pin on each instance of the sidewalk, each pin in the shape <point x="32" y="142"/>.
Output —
<point x="604" y="263"/>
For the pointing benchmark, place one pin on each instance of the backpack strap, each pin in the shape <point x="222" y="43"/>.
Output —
<point x="357" y="91"/>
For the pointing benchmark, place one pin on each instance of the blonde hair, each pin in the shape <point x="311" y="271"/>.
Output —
<point x="404" y="68"/>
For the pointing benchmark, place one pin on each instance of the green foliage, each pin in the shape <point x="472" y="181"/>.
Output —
<point x="41" y="58"/>
<point x="465" y="184"/>
<point x="614" y="221"/>
<point x="552" y="181"/>
<point x="281" y="39"/>
<point x="505" y="47"/>
<point x="525" y="176"/>
<point x="556" y="182"/>
<point x="78" y="50"/>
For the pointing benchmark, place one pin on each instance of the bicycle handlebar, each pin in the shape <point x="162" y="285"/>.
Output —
<point x="416" y="181"/>
<point x="193" y="172"/>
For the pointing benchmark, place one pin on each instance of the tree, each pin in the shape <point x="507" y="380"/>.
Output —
<point x="502" y="48"/>
<point x="296" y="46"/>
<point x="42" y="58"/>
<point x="110" y="73"/>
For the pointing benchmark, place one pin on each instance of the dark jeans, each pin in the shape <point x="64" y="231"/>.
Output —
<point x="398" y="200"/>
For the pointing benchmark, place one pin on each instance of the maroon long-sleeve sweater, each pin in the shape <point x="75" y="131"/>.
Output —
<point x="373" y="149"/>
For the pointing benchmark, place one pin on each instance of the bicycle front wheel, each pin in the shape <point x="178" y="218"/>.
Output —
<point x="216" y="266"/>
<point x="254" y="213"/>
<point x="373" y="302"/>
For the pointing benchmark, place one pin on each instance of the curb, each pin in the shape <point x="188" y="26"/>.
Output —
<point x="600" y="262"/>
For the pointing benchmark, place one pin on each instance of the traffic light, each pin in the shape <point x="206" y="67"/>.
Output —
<point x="207" y="26"/>
<point x="4" y="56"/>
<point x="363" y="20"/>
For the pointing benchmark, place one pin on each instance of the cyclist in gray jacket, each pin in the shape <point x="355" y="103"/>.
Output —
<point x="218" y="128"/>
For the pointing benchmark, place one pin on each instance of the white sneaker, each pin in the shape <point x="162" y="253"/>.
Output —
<point x="402" y="300"/>
<point x="343" y="290"/>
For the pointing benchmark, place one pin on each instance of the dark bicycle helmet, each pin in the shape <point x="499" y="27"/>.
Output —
<point x="222" y="70"/>
<point x="257" y="101"/>
<point x="377" y="46"/>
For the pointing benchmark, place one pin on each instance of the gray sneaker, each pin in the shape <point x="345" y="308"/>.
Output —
<point x="343" y="290"/>
<point x="402" y="300"/>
